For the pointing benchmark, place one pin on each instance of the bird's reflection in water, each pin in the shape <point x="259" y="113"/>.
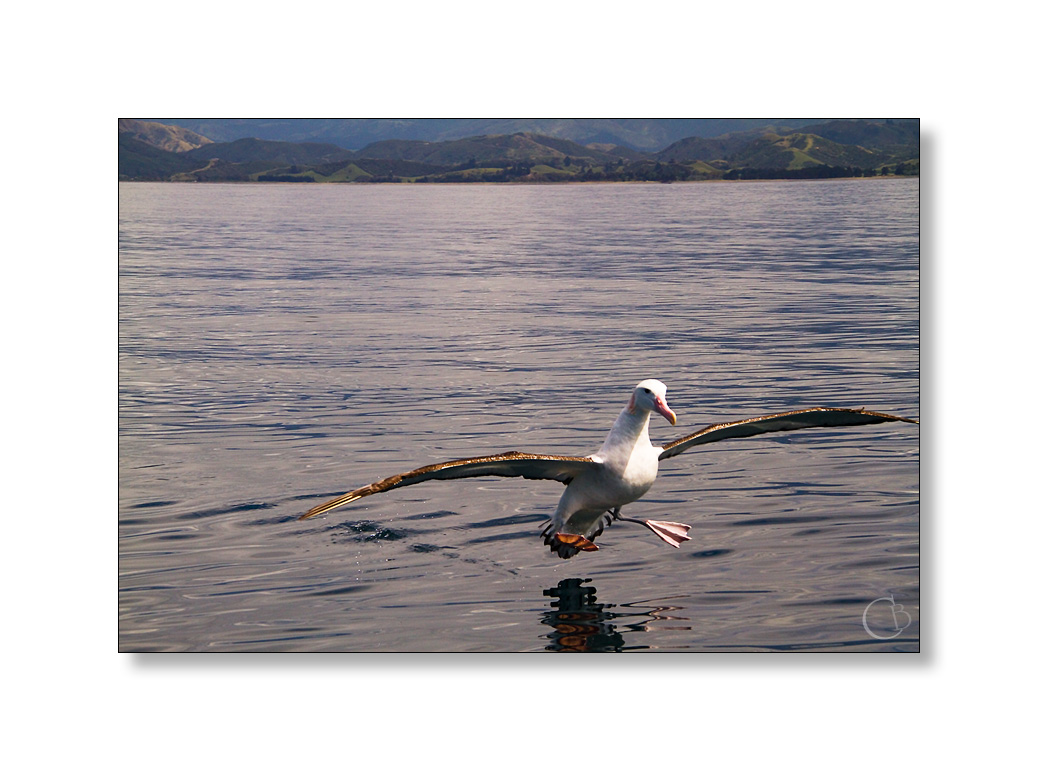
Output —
<point x="582" y="623"/>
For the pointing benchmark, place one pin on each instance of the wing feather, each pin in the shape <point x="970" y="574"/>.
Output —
<point x="818" y="417"/>
<point x="560" y="468"/>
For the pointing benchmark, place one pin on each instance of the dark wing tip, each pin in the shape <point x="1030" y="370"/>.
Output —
<point x="883" y="416"/>
<point x="335" y="503"/>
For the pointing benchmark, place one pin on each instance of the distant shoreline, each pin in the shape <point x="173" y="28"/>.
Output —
<point x="535" y="182"/>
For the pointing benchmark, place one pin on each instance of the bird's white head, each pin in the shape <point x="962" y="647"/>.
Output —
<point x="651" y="396"/>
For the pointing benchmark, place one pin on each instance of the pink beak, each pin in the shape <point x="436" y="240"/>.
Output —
<point x="665" y="411"/>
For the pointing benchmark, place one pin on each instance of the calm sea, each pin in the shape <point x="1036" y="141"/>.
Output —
<point x="281" y="344"/>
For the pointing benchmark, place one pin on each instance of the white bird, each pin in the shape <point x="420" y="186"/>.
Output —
<point x="621" y="472"/>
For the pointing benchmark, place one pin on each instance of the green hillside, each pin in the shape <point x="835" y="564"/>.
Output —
<point x="531" y="148"/>
<point x="141" y="161"/>
<point x="252" y="150"/>
<point x="699" y="149"/>
<point x="861" y="144"/>
<point x="870" y="134"/>
<point x="797" y="151"/>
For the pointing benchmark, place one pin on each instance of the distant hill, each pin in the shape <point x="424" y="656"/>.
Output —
<point x="817" y="150"/>
<point x="501" y="148"/>
<point x="705" y="149"/>
<point x="872" y="134"/>
<point x="798" y="150"/>
<point x="251" y="150"/>
<point x="174" y="139"/>
<point x="643" y="134"/>
<point x="142" y="161"/>
<point x="857" y="143"/>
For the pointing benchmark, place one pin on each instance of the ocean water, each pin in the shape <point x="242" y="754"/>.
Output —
<point x="281" y="344"/>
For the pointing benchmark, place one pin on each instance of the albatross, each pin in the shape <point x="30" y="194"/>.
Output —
<point x="621" y="472"/>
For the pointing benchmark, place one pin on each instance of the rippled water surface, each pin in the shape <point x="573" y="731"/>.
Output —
<point x="280" y="344"/>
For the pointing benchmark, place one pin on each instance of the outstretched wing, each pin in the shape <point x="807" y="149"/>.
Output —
<point x="819" y="417"/>
<point x="560" y="468"/>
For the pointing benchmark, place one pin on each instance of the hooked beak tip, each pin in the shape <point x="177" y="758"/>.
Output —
<point x="667" y="412"/>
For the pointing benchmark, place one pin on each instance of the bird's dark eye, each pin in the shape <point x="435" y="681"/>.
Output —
<point x="647" y="390"/>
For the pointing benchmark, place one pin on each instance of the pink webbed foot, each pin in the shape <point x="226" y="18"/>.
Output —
<point x="673" y="533"/>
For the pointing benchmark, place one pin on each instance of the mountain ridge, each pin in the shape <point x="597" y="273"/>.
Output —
<point x="643" y="134"/>
<point x="833" y="148"/>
